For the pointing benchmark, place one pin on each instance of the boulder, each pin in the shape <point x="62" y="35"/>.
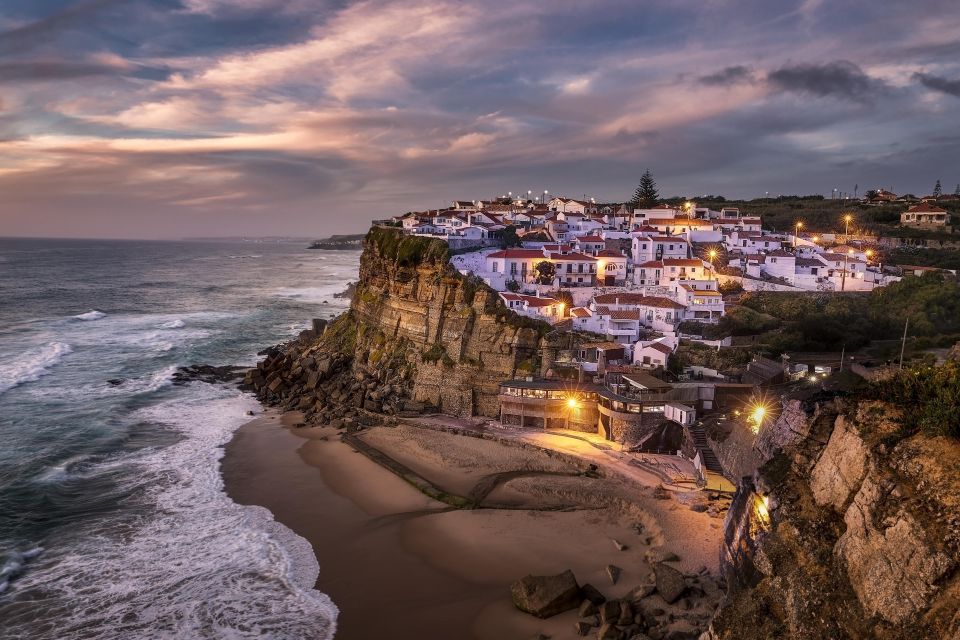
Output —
<point x="592" y="594"/>
<point x="619" y="545"/>
<point x="581" y="628"/>
<point x="545" y="596"/>
<point x="614" y="572"/>
<point x="640" y="592"/>
<point x="610" y="611"/>
<point x="626" y="613"/>
<point x="608" y="631"/>
<point x="670" y="582"/>
<point x="587" y="608"/>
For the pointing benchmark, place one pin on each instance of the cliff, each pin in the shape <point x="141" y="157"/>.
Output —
<point x="849" y="529"/>
<point x="418" y="336"/>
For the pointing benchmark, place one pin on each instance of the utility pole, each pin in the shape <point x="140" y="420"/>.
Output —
<point x="843" y="351"/>
<point x="903" y="344"/>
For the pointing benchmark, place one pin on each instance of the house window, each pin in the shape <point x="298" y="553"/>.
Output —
<point x="494" y="267"/>
<point x="513" y="268"/>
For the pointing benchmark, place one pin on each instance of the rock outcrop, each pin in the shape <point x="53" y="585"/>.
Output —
<point x="849" y="529"/>
<point x="419" y="336"/>
<point x="545" y="596"/>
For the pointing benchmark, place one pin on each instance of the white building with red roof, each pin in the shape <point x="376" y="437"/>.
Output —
<point x="543" y="308"/>
<point x="645" y="247"/>
<point x="925" y="215"/>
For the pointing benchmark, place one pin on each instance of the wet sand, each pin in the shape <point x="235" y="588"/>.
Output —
<point x="401" y="565"/>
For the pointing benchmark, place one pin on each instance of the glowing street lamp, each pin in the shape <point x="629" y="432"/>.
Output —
<point x="758" y="414"/>
<point x="847" y="219"/>
<point x="799" y="226"/>
<point x="571" y="403"/>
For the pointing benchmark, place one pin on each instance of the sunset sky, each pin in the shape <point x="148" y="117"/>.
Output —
<point x="171" y="118"/>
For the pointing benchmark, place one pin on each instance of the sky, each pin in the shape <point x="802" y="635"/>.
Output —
<point x="184" y="118"/>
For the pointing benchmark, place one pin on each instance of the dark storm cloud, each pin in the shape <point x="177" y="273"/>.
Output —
<point x="938" y="83"/>
<point x="728" y="75"/>
<point x="840" y="78"/>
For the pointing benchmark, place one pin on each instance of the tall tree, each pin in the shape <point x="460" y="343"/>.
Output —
<point x="937" y="190"/>
<point x="956" y="191"/>
<point x="646" y="195"/>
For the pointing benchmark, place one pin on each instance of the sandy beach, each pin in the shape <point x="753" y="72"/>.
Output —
<point x="402" y="565"/>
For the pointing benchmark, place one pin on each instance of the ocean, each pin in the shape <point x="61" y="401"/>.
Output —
<point x="113" y="518"/>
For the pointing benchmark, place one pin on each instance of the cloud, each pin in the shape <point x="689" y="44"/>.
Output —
<point x="939" y="83"/>
<point x="30" y="35"/>
<point x="728" y="75"/>
<point x="840" y="78"/>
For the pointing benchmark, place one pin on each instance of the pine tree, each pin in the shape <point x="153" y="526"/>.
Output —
<point x="956" y="191"/>
<point x="646" y="195"/>
<point x="937" y="190"/>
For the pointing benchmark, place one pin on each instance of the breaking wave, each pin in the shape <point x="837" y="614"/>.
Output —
<point x="91" y="315"/>
<point x="32" y="366"/>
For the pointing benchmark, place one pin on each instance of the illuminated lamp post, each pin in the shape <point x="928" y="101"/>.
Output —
<point x="796" y="234"/>
<point x="847" y="219"/>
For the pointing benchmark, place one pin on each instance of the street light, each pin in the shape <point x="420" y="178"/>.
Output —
<point x="797" y="234"/>
<point x="847" y="219"/>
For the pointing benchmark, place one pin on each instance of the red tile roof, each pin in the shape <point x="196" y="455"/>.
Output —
<point x="572" y="257"/>
<point x="637" y="299"/>
<point x="925" y="207"/>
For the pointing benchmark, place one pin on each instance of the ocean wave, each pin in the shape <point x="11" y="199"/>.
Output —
<point x="32" y="366"/>
<point x="173" y="324"/>
<point x="310" y="294"/>
<point x="93" y="314"/>
<point x="188" y="562"/>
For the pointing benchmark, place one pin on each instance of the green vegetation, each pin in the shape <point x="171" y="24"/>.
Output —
<point x="513" y="286"/>
<point x="341" y="334"/>
<point x="930" y="397"/>
<point x="434" y="353"/>
<point x="509" y="238"/>
<point x="940" y="258"/>
<point x="407" y="251"/>
<point x="788" y="321"/>
<point x="646" y="195"/>
<point x="545" y="272"/>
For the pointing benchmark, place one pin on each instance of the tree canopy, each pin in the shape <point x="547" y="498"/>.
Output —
<point x="937" y="189"/>
<point x="545" y="272"/>
<point x="646" y="195"/>
<point x="509" y="238"/>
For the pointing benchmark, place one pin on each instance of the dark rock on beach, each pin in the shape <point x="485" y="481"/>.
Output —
<point x="545" y="596"/>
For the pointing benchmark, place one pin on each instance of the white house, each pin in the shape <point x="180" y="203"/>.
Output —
<point x="611" y="268"/>
<point x="544" y="308"/>
<point x="515" y="264"/>
<point x="591" y="244"/>
<point x="575" y="269"/>
<point x="925" y="215"/>
<point x="644" y="248"/>
<point x="671" y="270"/>
<point x="651" y="355"/>
<point x="702" y="305"/>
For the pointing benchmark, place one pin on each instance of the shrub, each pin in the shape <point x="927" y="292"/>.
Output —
<point x="930" y="397"/>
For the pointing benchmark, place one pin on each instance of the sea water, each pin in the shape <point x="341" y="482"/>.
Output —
<point x="113" y="518"/>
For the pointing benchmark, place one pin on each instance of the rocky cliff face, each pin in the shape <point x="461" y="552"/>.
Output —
<point x="848" y="530"/>
<point x="418" y="335"/>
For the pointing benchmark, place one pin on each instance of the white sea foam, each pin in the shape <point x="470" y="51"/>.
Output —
<point x="32" y="365"/>
<point x="195" y="564"/>
<point x="172" y="324"/>
<point x="311" y="294"/>
<point x="91" y="315"/>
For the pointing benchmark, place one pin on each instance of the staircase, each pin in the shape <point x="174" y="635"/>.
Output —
<point x="707" y="456"/>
